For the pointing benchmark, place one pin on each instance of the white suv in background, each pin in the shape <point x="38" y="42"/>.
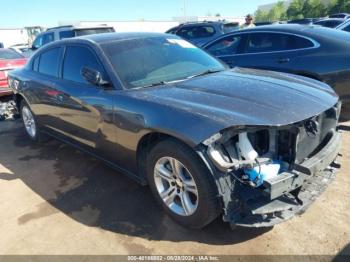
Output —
<point x="69" y="31"/>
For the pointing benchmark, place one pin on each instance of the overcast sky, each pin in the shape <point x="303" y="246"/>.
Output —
<point x="19" y="13"/>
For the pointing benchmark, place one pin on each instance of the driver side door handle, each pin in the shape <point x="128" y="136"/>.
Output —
<point x="283" y="60"/>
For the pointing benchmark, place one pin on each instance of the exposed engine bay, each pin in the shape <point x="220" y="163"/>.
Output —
<point x="264" y="171"/>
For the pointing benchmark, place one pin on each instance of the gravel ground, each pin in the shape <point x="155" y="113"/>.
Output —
<point x="57" y="200"/>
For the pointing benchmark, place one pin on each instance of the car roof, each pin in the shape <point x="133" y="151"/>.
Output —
<point x="200" y="23"/>
<point x="77" y="27"/>
<point x="113" y="37"/>
<point x="289" y="28"/>
<point x="331" y="19"/>
<point x="315" y="32"/>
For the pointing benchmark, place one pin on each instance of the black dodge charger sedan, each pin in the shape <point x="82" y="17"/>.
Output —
<point x="313" y="51"/>
<point x="254" y="146"/>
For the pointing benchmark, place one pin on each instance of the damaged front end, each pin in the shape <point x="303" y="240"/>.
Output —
<point x="267" y="174"/>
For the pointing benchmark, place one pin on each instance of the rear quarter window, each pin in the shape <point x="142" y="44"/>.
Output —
<point x="347" y="29"/>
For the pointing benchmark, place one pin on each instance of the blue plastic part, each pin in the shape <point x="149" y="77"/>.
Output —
<point x="259" y="174"/>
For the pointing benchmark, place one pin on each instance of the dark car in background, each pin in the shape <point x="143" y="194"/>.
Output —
<point x="313" y="51"/>
<point x="69" y="31"/>
<point x="9" y="60"/>
<point x="200" y="33"/>
<point x="251" y="145"/>
<point x="330" y="22"/>
<point x="303" y="21"/>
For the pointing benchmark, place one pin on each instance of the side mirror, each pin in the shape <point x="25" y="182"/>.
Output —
<point x="94" y="77"/>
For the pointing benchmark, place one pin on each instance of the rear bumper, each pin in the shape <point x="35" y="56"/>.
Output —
<point x="288" y="194"/>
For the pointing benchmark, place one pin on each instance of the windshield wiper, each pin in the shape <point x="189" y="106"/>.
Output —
<point x="156" y="84"/>
<point x="207" y="72"/>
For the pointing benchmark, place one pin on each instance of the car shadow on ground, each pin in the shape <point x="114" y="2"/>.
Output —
<point x="343" y="255"/>
<point x="93" y="194"/>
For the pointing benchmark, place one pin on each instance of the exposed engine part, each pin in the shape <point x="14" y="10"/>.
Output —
<point x="245" y="148"/>
<point x="8" y="110"/>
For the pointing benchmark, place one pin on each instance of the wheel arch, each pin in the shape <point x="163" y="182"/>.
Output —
<point x="146" y="143"/>
<point x="18" y="100"/>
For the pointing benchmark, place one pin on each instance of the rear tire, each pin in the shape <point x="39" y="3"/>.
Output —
<point x="182" y="184"/>
<point x="29" y="122"/>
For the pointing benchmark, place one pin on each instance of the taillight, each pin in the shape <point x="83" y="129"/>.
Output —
<point x="3" y="75"/>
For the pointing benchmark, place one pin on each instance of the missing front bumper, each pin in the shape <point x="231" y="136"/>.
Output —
<point x="287" y="195"/>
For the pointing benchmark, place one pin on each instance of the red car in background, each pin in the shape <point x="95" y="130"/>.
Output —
<point x="9" y="60"/>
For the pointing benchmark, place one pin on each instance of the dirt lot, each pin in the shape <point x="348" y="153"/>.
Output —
<point x="56" y="200"/>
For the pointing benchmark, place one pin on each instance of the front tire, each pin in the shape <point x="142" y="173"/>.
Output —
<point x="182" y="184"/>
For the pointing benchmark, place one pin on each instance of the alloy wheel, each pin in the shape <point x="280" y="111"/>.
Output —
<point x="29" y="121"/>
<point x="176" y="186"/>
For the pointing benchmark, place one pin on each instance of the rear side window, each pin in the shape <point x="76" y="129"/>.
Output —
<point x="66" y="34"/>
<point x="196" y="32"/>
<point x="225" y="46"/>
<point x="49" y="62"/>
<point x="77" y="57"/>
<point x="272" y="42"/>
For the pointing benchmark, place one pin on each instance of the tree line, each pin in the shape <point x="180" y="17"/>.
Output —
<point x="299" y="9"/>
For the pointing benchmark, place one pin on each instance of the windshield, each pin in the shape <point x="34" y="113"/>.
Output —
<point x="91" y="31"/>
<point x="9" y="54"/>
<point x="148" y="61"/>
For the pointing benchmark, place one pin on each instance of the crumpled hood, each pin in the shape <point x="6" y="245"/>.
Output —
<point x="246" y="97"/>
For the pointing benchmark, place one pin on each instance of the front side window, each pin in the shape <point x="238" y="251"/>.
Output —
<point x="148" y="61"/>
<point x="77" y="57"/>
<point x="38" y="42"/>
<point x="49" y="62"/>
<point x="225" y="46"/>
<point x="347" y="28"/>
<point x="272" y="42"/>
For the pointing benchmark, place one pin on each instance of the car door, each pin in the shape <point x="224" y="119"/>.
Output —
<point x="261" y="50"/>
<point x="273" y="51"/>
<point x="42" y="90"/>
<point x="85" y="111"/>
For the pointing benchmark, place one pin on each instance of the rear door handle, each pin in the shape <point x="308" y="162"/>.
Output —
<point x="283" y="60"/>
